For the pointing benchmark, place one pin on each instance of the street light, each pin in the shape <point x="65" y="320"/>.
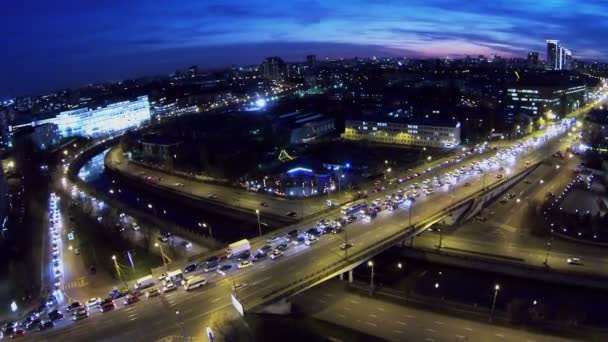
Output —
<point x="440" y="238"/>
<point x="542" y="181"/>
<point x="399" y="265"/>
<point x="371" y="282"/>
<point x="547" y="254"/>
<point x="206" y="226"/>
<point x="496" y="288"/>
<point x="257" y="212"/>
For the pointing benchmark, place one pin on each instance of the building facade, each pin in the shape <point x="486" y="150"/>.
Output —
<point x="553" y="55"/>
<point x="99" y="122"/>
<point x="535" y="100"/>
<point x="273" y="69"/>
<point x="426" y="133"/>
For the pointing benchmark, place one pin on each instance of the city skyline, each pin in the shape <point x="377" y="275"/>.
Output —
<point x="91" y="43"/>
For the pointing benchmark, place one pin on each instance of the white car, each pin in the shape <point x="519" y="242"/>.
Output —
<point x="276" y="254"/>
<point x="245" y="264"/>
<point x="574" y="261"/>
<point x="169" y="286"/>
<point x="93" y="302"/>
<point x="311" y="240"/>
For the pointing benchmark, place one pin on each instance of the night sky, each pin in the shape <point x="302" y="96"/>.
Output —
<point x="53" y="44"/>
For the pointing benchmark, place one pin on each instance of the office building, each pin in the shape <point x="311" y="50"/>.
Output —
<point x="548" y="98"/>
<point x="273" y="69"/>
<point x="553" y="55"/>
<point x="302" y="128"/>
<point x="403" y="131"/>
<point x="311" y="61"/>
<point x="99" y="122"/>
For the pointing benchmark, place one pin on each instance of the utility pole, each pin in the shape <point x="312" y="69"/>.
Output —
<point x="257" y="212"/>
<point x="371" y="282"/>
<point x="496" y="288"/>
<point x="547" y="255"/>
<point x="440" y="239"/>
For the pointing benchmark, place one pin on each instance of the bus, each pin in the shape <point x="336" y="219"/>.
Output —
<point x="353" y="208"/>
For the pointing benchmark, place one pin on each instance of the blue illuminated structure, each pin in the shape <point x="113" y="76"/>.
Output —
<point x="102" y="121"/>
<point x="299" y="169"/>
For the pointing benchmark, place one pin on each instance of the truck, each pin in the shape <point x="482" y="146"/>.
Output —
<point x="144" y="282"/>
<point x="237" y="248"/>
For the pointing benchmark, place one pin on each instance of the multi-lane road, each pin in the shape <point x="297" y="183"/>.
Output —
<point x="266" y="277"/>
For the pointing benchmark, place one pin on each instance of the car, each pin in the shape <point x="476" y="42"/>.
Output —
<point x="212" y="259"/>
<point x="131" y="299"/>
<point x="291" y="214"/>
<point x="550" y="194"/>
<point x="338" y="230"/>
<point x="153" y="292"/>
<point x="259" y="256"/>
<point x="191" y="268"/>
<point x="312" y="232"/>
<point x="46" y="325"/>
<point x="163" y="238"/>
<point x="499" y="176"/>
<point x="77" y="251"/>
<point x="467" y="184"/>
<point x="80" y="313"/>
<point x="245" y="264"/>
<point x="291" y="235"/>
<point x="134" y="226"/>
<point x="55" y="315"/>
<point x="243" y="256"/>
<point x="346" y="246"/>
<point x="169" y="287"/>
<point x="181" y="185"/>
<point x="311" y="240"/>
<point x="211" y="267"/>
<point x="212" y="196"/>
<point x="33" y="323"/>
<point x="281" y="247"/>
<point x="480" y="218"/>
<point x="264" y="204"/>
<point x="18" y="333"/>
<point x="93" y="302"/>
<point x="73" y="306"/>
<point x="108" y="306"/>
<point x="299" y="240"/>
<point x="276" y="255"/>
<point x="266" y="248"/>
<point x="225" y="267"/>
<point x="574" y="261"/>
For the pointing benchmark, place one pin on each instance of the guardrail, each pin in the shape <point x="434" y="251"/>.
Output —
<point x="358" y="257"/>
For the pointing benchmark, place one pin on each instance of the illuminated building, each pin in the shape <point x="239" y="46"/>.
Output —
<point x="311" y="61"/>
<point x="537" y="98"/>
<point x="404" y="131"/>
<point x="532" y="59"/>
<point x="101" y="121"/>
<point x="273" y="69"/>
<point x="553" y="55"/>
<point x="303" y="128"/>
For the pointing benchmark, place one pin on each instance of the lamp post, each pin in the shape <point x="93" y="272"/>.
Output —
<point x="546" y="262"/>
<point x="496" y="288"/>
<point x="153" y="208"/>
<point x="206" y="226"/>
<point x="440" y="239"/>
<point x="257" y="212"/>
<point x="339" y="181"/>
<point x="117" y="268"/>
<point x="162" y="254"/>
<point x="371" y="282"/>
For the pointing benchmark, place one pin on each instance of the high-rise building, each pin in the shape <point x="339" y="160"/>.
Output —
<point x="273" y="69"/>
<point x="311" y="61"/>
<point x="553" y="55"/>
<point x="532" y="59"/>
<point x="567" y="59"/>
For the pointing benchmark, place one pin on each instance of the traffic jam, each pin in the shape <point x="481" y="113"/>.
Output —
<point x="239" y="255"/>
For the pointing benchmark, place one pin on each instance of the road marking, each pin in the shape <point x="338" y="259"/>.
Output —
<point x="327" y="295"/>
<point x="347" y="308"/>
<point x="402" y="323"/>
<point x="431" y="330"/>
<point x="381" y="309"/>
<point x="354" y="301"/>
<point x="500" y="335"/>
<point x="468" y="329"/>
<point x="429" y="339"/>
<point x="439" y="322"/>
<point x="398" y="331"/>
<point x="132" y="315"/>
<point x="322" y="301"/>
<point x="372" y="315"/>
<point x="216" y="299"/>
<point x="341" y="316"/>
<point x="410" y="316"/>
<point x="372" y="324"/>
<point x="461" y="337"/>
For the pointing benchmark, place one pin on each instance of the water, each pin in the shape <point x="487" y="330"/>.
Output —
<point x="225" y="229"/>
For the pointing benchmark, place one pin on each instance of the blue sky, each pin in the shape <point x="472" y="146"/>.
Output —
<point x="63" y="43"/>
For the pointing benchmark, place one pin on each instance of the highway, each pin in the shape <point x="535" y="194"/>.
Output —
<point x="394" y="322"/>
<point x="265" y="278"/>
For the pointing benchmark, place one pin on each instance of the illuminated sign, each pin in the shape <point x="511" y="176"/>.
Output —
<point x="300" y="169"/>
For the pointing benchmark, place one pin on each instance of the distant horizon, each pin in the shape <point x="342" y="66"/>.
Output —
<point x="64" y="44"/>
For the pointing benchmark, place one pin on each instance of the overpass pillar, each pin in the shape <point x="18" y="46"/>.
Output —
<point x="341" y="276"/>
<point x="350" y="276"/>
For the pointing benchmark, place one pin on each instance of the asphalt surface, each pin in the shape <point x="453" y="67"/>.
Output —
<point x="393" y="322"/>
<point x="264" y="278"/>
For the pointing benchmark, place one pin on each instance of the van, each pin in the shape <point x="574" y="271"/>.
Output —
<point x="194" y="282"/>
<point x="144" y="282"/>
